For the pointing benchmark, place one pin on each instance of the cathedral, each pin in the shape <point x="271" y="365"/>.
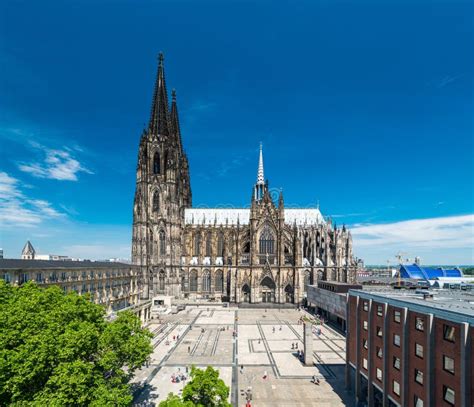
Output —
<point x="265" y="253"/>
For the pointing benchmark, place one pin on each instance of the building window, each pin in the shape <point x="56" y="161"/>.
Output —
<point x="418" y="376"/>
<point x="420" y="324"/>
<point x="379" y="352"/>
<point x="206" y="281"/>
<point x="366" y="305"/>
<point x="397" y="316"/>
<point x="7" y="277"/>
<point x="364" y="363"/>
<point x="419" y="350"/>
<point x="449" y="333"/>
<point x="219" y="281"/>
<point x="379" y="332"/>
<point x="161" y="280"/>
<point x="23" y="278"/>
<point x="396" y="363"/>
<point x="156" y="163"/>
<point x="162" y="243"/>
<point x="379" y="310"/>
<point x="396" y="340"/>
<point x="193" y="281"/>
<point x="365" y="324"/>
<point x="39" y="277"/>
<point x="156" y="202"/>
<point x="266" y="241"/>
<point x="448" y="395"/>
<point x="220" y="244"/>
<point x="379" y="374"/>
<point x="365" y="343"/>
<point x="418" y="402"/>
<point x="396" y="387"/>
<point x="197" y="244"/>
<point x="208" y="244"/>
<point x="448" y="364"/>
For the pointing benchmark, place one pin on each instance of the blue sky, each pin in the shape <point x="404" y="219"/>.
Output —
<point x="365" y="106"/>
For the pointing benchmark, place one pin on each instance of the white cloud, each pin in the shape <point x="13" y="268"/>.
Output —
<point x="17" y="209"/>
<point x="57" y="164"/>
<point x="435" y="237"/>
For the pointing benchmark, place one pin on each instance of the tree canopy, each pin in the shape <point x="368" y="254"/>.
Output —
<point x="58" y="349"/>
<point x="205" y="389"/>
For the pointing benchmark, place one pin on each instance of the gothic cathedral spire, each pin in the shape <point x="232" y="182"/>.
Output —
<point x="260" y="185"/>
<point x="174" y="120"/>
<point x="159" y="124"/>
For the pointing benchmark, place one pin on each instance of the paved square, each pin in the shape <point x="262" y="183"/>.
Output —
<point x="266" y="345"/>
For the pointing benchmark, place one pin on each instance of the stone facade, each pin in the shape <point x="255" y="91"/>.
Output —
<point x="264" y="253"/>
<point x="114" y="285"/>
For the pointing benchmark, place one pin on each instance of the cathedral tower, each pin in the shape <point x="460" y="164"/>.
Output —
<point x="162" y="193"/>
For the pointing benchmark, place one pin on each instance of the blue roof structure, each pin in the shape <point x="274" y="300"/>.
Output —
<point x="426" y="273"/>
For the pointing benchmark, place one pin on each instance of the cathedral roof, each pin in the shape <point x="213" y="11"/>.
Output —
<point x="222" y="216"/>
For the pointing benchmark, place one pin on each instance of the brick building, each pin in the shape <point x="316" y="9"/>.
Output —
<point x="410" y="348"/>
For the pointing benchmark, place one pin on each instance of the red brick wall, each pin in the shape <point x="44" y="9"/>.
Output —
<point x="363" y="316"/>
<point x="394" y="374"/>
<point x="414" y="362"/>
<point x="377" y="341"/>
<point x="453" y="350"/>
<point x="351" y="321"/>
<point x="471" y="329"/>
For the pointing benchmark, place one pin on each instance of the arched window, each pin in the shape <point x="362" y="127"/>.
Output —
<point x="161" y="281"/>
<point x="193" y="281"/>
<point x="206" y="281"/>
<point x="156" y="163"/>
<point x="267" y="241"/>
<point x="219" y="281"/>
<point x="208" y="244"/>
<point x="156" y="201"/>
<point x="150" y="244"/>
<point x="197" y="244"/>
<point x="162" y="243"/>
<point x="220" y="244"/>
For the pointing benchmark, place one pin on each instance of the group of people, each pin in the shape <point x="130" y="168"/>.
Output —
<point x="294" y="345"/>
<point x="179" y="377"/>
<point x="273" y="329"/>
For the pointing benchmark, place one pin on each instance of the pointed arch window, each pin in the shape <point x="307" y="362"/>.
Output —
<point x="208" y="244"/>
<point x="267" y="241"/>
<point x="161" y="281"/>
<point x="156" y="202"/>
<point x="219" y="281"/>
<point x="197" y="244"/>
<point x="220" y="244"/>
<point x="162" y="243"/>
<point x="206" y="281"/>
<point x="193" y="281"/>
<point x="156" y="163"/>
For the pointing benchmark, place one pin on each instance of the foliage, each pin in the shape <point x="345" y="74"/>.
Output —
<point x="205" y="389"/>
<point x="469" y="271"/>
<point x="57" y="349"/>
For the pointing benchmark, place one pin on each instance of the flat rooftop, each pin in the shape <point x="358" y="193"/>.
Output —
<point x="20" y="264"/>
<point x="443" y="303"/>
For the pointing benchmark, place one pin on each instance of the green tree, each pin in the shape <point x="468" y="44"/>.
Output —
<point x="205" y="389"/>
<point x="57" y="349"/>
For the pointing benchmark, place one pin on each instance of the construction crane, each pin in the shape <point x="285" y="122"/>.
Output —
<point x="399" y="257"/>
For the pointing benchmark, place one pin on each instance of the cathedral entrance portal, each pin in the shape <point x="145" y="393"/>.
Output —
<point x="267" y="287"/>
<point x="246" y="293"/>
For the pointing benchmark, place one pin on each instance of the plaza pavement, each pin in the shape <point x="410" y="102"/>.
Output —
<point x="204" y="336"/>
